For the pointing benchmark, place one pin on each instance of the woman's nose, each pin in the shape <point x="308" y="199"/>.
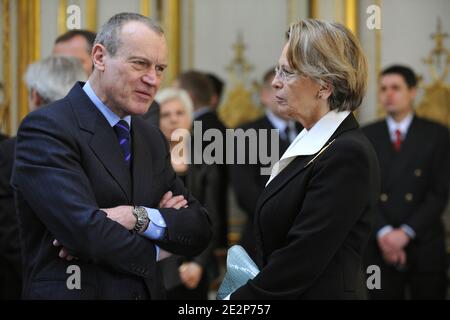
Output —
<point x="276" y="83"/>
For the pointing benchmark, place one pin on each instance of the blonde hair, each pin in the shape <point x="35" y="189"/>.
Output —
<point x="330" y="54"/>
<point x="181" y="95"/>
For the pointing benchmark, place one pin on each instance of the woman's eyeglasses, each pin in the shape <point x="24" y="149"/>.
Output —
<point x="284" y="74"/>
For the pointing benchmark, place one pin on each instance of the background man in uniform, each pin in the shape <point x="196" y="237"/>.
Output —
<point x="409" y="237"/>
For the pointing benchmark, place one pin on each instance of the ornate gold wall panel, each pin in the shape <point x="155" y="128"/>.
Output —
<point x="351" y="16"/>
<point x="62" y="7"/>
<point x="435" y="104"/>
<point x="172" y="24"/>
<point x="5" y="103"/>
<point x="314" y="9"/>
<point x="28" y="26"/>
<point x="91" y="12"/>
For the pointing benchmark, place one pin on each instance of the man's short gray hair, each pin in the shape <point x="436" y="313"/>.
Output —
<point x="53" y="77"/>
<point x="109" y="34"/>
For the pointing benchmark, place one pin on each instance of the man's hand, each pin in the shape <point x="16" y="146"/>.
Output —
<point x="122" y="215"/>
<point x="392" y="245"/>
<point x="396" y="258"/>
<point x="63" y="254"/>
<point x="395" y="240"/>
<point x="190" y="274"/>
<point x="169" y="201"/>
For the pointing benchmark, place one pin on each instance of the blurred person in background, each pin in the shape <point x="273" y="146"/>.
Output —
<point x="188" y="278"/>
<point x="76" y="43"/>
<point x="217" y="86"/>
<point x="47" y="80"/>
<point x="408" y="241"/>
<point x="201" y="91"/>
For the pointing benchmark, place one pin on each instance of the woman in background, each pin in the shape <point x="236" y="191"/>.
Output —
<point x="187" y="277"/>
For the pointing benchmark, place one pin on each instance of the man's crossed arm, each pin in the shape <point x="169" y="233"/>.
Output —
<point x="124" y="216"/>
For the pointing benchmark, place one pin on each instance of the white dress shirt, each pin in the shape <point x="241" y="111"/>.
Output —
<point x="402" y="126"/>
<point x="281" y="125"/>
<point x="309" y="142"/>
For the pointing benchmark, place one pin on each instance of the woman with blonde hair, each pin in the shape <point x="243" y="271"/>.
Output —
<point x="314" y="217"/>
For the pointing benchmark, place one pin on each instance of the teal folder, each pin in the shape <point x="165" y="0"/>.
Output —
<point x="240" y="269"/>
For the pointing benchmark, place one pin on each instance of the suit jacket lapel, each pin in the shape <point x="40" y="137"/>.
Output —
<point x="294" y="168"/>
<point x="300" y="163"/>
<point x="142" y="165"/>
<point x="103" y="142"/>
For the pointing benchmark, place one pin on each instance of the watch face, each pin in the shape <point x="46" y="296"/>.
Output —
<point x="141" y="216"/>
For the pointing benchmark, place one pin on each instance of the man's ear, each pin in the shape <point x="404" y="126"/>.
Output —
<point x="35" y="100"/>
<point x="413" y="93"/>
<point x="99" y="54"/>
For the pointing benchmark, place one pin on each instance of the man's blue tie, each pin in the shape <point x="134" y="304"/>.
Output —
<point x="123" y="133"/>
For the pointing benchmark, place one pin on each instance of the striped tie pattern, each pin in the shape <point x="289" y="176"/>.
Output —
<point x="123" y="134"/>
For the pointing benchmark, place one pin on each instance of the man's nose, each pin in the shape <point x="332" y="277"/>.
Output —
<point x="389" y="94"/>
<point x="151" y="78"/>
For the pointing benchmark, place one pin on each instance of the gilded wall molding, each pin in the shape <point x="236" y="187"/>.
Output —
<point x="91" y="13"/>
<point x="62" y="7"/>
<point x="351" y="16"/>
<point x="171" y="22"/>
<point x="145" y="8"/>
<point x="314" y="9"/>
<point x="378" y="42"/>
<point x="190" y="26"/>
<point x="29" y="31"/>
<point x="5" y="103"/>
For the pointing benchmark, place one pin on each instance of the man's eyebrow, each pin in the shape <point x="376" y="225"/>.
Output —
<point x="138" y="57"/>
<point x="164" y="65"/>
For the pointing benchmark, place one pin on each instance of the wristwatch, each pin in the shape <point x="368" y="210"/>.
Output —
<point x="141" y="218"/>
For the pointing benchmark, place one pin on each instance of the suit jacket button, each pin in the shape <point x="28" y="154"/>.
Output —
<point x="409" y="197"/>
<point x="418" y="173"/>
<point x="384" y="197"/>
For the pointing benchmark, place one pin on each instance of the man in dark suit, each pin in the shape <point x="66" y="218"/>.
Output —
<point x="47" y="80"/>
<point x="76" y="43"/>
<point x="409" y="239"/>
<point x="247" y="179"/>
<point x="10" y="258"/>
<point x="97" y="198"/>
<point x="217" y="86"/>
<point x="200" y="90"/>
<point x="152" y="115"/>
